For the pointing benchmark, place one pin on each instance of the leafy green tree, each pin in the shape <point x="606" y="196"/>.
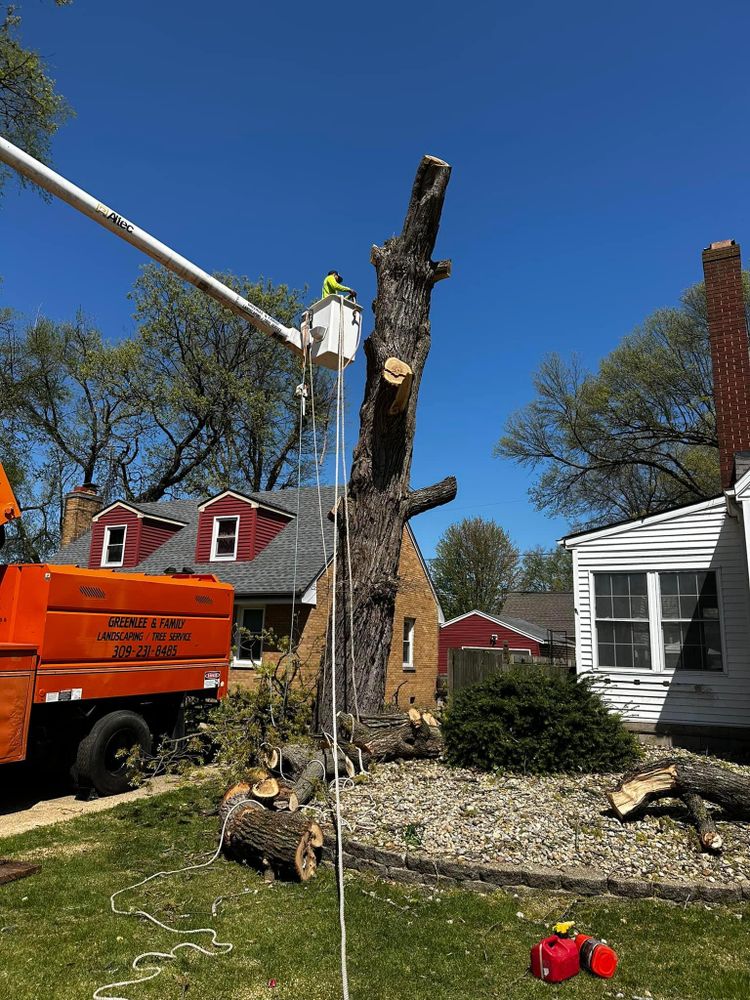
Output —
<point x="194" y="402"/>
<point x="219" y="397"/>
<point x="546" y="569"/>
<point x="31" y="111"/>
<point x="636" y="437"/>
<point x="475" y="565"/>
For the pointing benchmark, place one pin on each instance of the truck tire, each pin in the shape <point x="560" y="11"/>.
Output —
<point x="97" y="764"/>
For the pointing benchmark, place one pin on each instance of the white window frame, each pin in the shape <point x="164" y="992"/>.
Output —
<point x="239" y="609"/>
<point x="215" y="557"/>
<point x="108" y="528"/>
<point x="408" y="665"/>
<point x="656" y="632"/>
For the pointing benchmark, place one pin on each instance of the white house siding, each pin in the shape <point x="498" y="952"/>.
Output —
<point x="699" y="538"/>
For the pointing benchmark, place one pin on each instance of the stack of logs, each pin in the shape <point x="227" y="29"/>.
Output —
<point x="261" y="819"/>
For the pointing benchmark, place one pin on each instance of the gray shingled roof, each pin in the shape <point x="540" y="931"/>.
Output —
<point x="270" y="574"/>
<point x="547" y="610"/>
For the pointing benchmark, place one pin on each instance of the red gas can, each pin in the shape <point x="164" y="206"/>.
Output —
<point x="554" y="959"/>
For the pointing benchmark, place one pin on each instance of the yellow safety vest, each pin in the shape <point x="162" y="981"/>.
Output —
<point x="332" y="287"/>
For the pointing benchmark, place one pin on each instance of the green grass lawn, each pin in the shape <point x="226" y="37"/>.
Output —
<point x="58" y="938"/>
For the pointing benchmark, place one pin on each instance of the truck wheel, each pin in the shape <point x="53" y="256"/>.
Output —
<point x="97" y="762"/>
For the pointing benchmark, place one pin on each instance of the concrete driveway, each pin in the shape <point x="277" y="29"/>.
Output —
<point x="29" y="798"/>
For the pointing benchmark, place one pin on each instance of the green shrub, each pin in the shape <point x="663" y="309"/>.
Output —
<point x="277" y="709"/>
<point x="536" y="721"/>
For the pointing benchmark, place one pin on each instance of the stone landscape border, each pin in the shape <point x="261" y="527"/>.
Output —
<point x="418" y="869"/>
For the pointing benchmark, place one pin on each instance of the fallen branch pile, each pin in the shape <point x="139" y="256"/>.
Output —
<point x="690" y="781"/>
<point x="263" y="824"/>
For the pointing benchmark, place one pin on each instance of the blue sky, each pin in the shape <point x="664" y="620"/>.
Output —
<point x="596" y="149"/>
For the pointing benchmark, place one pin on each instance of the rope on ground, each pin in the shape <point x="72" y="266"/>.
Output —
<point x="220" y="947"/>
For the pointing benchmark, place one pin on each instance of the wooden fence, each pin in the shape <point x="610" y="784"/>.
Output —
<point x="469" y="666"/>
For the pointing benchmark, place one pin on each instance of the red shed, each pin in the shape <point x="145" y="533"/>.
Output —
<point x="478" y="630"/>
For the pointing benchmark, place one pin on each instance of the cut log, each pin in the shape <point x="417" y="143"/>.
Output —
<point x="282" y="799"/>
<point x="673" y="778"/>
<point x="319" y="770"/>
<point x="265" y="790"/>
<point x="398" y="377"/>
<point x="232" y="797"/>
<point x="412" y="740"/>
<point x="708" y="835"/>
<point x="392" y="720"/>
<point x="288" y="843"/>
<point x="290" y="760"/>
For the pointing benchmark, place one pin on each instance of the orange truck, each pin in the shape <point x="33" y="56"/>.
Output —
<point x="93" y="662"/>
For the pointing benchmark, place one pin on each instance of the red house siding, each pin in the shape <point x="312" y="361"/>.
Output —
<point x="257" y="527"/>
<point x="154" y="534"/>
<point x="475" y="630"/>
<point x="118" y="515"/>
<point x="144" y="536"/>
<point x="267" y="527"/>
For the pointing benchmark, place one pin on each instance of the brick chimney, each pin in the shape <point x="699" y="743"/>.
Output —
<point x="80" y="506"/>
<point x="730" y="352"/>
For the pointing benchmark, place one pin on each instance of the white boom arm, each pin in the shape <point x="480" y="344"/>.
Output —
<point x="139" y="238"/>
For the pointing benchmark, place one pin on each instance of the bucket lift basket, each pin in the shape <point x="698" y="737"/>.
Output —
<point x="324" y="322"/>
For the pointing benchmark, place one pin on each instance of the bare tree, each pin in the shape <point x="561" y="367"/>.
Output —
<point x="380" y="499"/>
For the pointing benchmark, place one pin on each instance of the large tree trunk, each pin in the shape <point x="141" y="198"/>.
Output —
<point x="380" y="498"/>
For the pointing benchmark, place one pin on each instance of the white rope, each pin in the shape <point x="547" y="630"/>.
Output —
<point x="349" y="568"/>
<point x="337" y="791"/>
<point x="320" y="506"/>
<point x="224" y="947"/>
<point x="299" y="487"/>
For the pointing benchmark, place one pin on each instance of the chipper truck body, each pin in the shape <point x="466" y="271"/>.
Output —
<point x="93" y="662"/>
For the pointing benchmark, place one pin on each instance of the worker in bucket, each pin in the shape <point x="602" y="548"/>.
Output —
<point x="332" y="286"/>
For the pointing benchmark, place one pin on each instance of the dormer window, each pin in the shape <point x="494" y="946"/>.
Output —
<point x="113" y="549"/>
<point x="224" y="543"/>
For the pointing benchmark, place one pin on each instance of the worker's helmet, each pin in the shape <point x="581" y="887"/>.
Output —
<point x="336" y="275"/>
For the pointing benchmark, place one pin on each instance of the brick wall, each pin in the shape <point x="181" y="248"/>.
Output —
<point x="730" y="353"/>
<point x="414" y="600"/>
<point x="80" y="506"/>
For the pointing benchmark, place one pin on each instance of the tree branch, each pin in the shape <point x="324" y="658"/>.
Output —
<point x="431" y="496"/>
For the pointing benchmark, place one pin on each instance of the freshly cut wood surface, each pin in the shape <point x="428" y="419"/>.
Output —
<point x="673" y="778"/>
<point x="265" y="789"/>
<point x="709" y="836"/>
<point x="286" y="842"/>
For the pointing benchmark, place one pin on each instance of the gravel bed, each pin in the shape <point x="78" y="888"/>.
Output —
<point x="558" y="822"/>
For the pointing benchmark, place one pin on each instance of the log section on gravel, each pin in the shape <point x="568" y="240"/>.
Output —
<point x="708" y="835"/>
<point x="287" y="843"/>
<point x="263" y="824"/>
<point x="673" y="778"/>
<point x="414" y="739"/>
